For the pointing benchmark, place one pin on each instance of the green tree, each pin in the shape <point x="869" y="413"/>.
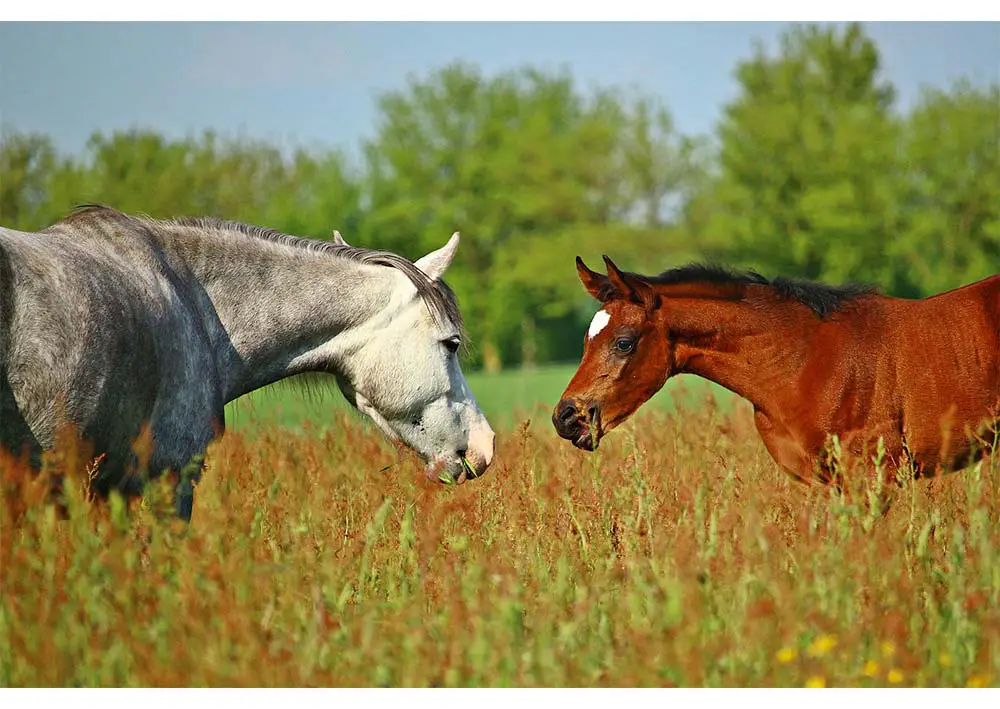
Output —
<point x="952" y="189"/>
<point x="661" y="167"/>
<point x="27" y="163"/>
<point x="495" y="158"/>
<point x="308" y="193"/>
<point x="808" y="161"/>
<point x="318" y="194"/>
<point x="139" y="172"/>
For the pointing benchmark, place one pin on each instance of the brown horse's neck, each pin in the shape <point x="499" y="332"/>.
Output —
<point x="755" y="347"/>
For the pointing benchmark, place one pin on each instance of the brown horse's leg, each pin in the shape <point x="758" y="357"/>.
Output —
<point x="853" y="476"/>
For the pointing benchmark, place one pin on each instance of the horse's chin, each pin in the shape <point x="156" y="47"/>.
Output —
<point x="446" y="473"/>
<point x="590" y="434"/>
<point x="585" y="441"/>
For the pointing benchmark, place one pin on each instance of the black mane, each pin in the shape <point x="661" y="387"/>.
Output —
<point x="821" y="298"/>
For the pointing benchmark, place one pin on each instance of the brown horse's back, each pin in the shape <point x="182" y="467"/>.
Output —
<point x="945" y="355"/>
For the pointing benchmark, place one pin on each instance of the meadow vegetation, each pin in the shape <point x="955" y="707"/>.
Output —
<point x="678" y="554"/>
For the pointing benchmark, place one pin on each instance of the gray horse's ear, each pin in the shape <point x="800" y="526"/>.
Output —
<point x="338" y="239"/>
<point x="436" y="263"/>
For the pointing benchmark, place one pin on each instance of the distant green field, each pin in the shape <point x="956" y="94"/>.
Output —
<point x="506" y="398"/>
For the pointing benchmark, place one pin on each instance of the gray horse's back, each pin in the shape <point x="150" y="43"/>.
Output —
<point x="93" y="329"/>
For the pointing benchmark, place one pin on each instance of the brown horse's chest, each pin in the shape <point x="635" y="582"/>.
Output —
<point x="787" y="446"/>
<point x="800" y="445"/>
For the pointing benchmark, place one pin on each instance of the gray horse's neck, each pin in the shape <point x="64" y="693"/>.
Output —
<point x="280" y="304"/>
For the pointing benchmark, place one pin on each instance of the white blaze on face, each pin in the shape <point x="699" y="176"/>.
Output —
<point x="599" y="322"/>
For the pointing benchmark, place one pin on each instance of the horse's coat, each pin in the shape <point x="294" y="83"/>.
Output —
<point x="814" y="360"/>
<point x="111" y="323"/>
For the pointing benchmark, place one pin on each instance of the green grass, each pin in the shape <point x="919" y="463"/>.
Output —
<point x="507" y="398"/>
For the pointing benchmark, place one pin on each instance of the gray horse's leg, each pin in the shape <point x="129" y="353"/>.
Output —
<point x="16" y="437"/>
<point x="184" y="461"/>
<point x="184" y="488"/>
<point x="184" y="499"/>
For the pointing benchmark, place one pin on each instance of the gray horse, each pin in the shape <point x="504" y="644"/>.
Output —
<point x="122" y="326"/>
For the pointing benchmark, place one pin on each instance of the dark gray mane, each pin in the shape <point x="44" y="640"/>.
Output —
<point x="438" y="296"/>
<point x="821" y="298"/>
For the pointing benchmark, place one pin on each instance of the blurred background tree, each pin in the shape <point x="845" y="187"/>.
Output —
<point x="808" y="161"/>
<point x="813" y="171"/>
<point x="950" y="190"/>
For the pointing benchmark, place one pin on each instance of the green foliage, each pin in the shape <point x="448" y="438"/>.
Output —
<point x="952" y="188"/>
<point x="820" y="177"/>
<point x="813" y="172"/>
<point x="808" y="160"/>
<point x="498" y="158"/>
<point x="27" y="162"/>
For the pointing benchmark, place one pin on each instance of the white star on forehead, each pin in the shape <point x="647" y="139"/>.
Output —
<point x="599" y="322"/>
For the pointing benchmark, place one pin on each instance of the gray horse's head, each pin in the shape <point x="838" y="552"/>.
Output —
<point x="403" y="372"/>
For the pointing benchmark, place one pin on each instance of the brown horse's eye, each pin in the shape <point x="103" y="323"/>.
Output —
<point x="624" y="345"/>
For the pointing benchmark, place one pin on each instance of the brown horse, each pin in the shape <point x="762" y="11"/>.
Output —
<point x="814" y="360"/>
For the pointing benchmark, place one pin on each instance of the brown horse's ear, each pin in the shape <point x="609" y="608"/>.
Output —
<point x="631" y="286"/>
<point x="593" y="281"/>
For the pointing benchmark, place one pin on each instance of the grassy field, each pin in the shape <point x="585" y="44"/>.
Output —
<point x="675" y="555"/>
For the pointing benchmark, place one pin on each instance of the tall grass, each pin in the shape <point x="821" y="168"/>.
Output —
<point x="675" y="555"/>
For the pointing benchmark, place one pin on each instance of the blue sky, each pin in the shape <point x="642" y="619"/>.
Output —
<point x="316" y="83"/>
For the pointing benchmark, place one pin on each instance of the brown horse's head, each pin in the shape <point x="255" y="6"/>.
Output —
<point x="626" y="357"/>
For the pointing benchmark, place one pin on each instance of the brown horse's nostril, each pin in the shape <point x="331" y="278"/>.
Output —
<point x="567" y="411"/>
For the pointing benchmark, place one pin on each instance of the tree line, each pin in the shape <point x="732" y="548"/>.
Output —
<point x="812" y="171"/>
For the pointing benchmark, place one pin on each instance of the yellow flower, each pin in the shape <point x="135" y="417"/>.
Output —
<point x="786" y="655"/>
<point x="978" y="681"/>
<point x="895" y="676"/>
<point x="945" y="659"/>
<point x="888" y="648"/>
<point x="822" y="645"/>
<point x="815" y="682"/>
<point x="870" y="669"/>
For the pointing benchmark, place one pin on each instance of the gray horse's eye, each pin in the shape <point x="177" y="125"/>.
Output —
<point x="452" y="344"/>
